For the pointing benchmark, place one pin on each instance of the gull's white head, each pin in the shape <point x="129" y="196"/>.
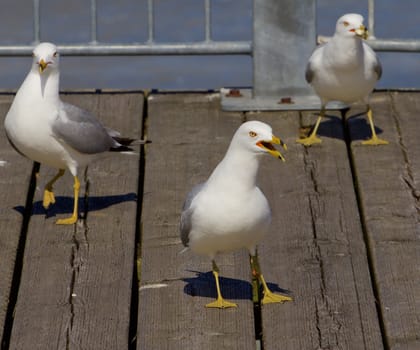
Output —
<point x="258" y="138"/>
<point x="46" y="57"/>
<point x="351" y="25"/>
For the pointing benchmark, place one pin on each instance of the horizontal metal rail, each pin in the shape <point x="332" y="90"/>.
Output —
<point x="388" y="45"/>
<point x="395" y="45"/>
<point x="201" y="48"/>
<point x="205" y="47"/>
<point x="148" y="48"/>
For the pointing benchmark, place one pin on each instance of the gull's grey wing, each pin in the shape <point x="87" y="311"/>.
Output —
<point x="187" y="212"/>
<point x="81" y="130"/>
<point x="310" y="67"/>
<point x="309" y="73"/>
<point x="377" y="67"/>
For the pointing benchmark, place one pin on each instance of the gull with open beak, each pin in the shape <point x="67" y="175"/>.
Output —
<point x="229" y="212"/>
<point x="344" y="69"/>
<point x="47" y="130"/>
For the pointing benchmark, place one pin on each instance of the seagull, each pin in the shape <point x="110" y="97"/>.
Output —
<point x="344" y="69"/>
<point x="49" y="131"/>
<point x="228" y="211"/>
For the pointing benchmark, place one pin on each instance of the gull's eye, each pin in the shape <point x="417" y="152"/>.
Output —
<point x="55" y="54"/>
<point x="346" y="24"/>
<point x="252" y="133"/>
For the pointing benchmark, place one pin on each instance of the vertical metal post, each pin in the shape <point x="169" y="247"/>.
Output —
<point x="284" y="37"/>
<point x="283" y="40"/>
<point x="371" y="18"/>
<point x="207" y="13"/>
<point x="151" y="21"/>
<point x="93" y="22"/>
<point x="36" y="22"/>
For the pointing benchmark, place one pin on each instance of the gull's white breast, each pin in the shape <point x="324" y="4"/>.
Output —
<point x="28" y="125"/>
<point x="338" y="79"/>
<point x="225" y="221"/>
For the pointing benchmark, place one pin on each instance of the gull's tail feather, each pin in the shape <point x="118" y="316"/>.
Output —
<point x="126" y="141"/>
<point x="123" y="143"/>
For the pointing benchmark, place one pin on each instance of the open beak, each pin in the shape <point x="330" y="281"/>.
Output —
<point x="362" y="32"/>
<point x="42" y="65"/>
<point x="268" y="147"/>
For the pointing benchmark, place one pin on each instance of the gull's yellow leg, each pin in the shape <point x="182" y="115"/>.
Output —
<point x="313" y="139"/>
<point x="219" y="302"/>
<point x="269" y="296"/>
<point x="375" y="140"/>
<point x="72" y="219"/>
<point x="48" y="190"/>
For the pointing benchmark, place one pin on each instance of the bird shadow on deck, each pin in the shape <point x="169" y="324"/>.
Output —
<point x="331" y="126"/>
<point x="360" y="127"/>
<point x="204" y="285"/>
<point x="64" y="205"/>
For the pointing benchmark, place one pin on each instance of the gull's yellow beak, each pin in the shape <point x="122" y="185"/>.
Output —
<point x="362" y="32"/>
<point x="42" y="65"/>
<point x="268" y="147"/>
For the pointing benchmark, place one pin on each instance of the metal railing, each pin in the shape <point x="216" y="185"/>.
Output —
<point x="150" y="47"/>
<point x="283" y="39"/>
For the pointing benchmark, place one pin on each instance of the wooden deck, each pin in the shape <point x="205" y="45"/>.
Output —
<point x="345" y="237"/>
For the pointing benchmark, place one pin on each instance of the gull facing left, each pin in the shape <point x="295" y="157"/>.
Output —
<point x="228" y="211"/>
<point x="47" y="130"/>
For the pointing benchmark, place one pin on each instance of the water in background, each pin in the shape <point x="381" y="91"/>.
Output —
<point x="125" y="21"/>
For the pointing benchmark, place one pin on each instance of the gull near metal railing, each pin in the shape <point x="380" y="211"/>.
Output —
<point x="284" y="35"/>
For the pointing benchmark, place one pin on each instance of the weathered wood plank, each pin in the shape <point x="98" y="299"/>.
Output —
<point x="388" y="182"/>
<point x="315" y="247"/>
<point x="189" y="137"/>
<point x="76" y="281"/>
<point x="15" y="172"/>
